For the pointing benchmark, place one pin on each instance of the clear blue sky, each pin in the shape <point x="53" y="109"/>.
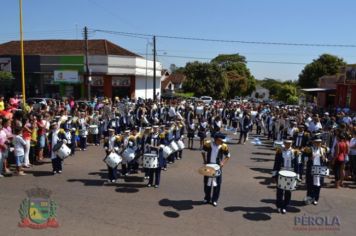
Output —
<point x="298" y="21"/>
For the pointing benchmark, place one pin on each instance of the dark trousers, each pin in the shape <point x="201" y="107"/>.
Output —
<point x="124" y="170"/>
<point x="300" y="170"/>
<point x="96" y="140"/>
<point x="243" y="134"/>
<point x="156" y="173"/>
<point x="216" y="189"/>
<point x="179" y="154"/>
<point x="172" y="157"/>
<point x="338" y="169"/>
<point x="258" y="130"/>
<point x="57" y="164"/>
<point x="314" y="191"/>
<point x="112" y="173"/>
<point x="283" y="198"/>
<point x="32" y="155"/>
<point x="353" y="165"/>
<point x="83" y="142"/>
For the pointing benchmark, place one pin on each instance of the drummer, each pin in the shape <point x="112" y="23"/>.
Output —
<point x="285" y="159"/>
<point x="215" y="152"/>
<point x="153" y="147"/>
<point x="111" y="144"/>
<point x="56" y="136"/>
<point x="317" y="157"/>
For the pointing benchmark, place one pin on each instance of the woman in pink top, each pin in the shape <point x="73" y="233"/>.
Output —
<point x="341" y="150"/>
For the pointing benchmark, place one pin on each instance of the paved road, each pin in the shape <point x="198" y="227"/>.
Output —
<point x="89" y="206"/>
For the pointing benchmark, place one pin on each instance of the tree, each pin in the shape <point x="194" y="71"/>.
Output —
<point x="205" y="79"/>
<point x="237" y="84"/>
<point x="241" y="77"/>
<point x="326" y="64"/>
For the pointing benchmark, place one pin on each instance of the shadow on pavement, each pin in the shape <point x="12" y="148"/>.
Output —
<point x="171" y="214"/>
<point x="258" y="159"/>
<point x="39" y="173"/>
<point x="127" y="190"/>
<point x="265" y="180"/>
<point x="180" y="205"/>
<point x="263" y="153"/>
<point x="253" y="213"/>
<point x="262" y="170"/>
<point x="89" y="182"/>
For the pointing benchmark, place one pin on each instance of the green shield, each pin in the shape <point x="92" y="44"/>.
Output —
<point x="39" y="210"/>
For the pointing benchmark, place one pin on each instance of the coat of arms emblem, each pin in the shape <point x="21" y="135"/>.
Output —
<point x="38" y="211"/>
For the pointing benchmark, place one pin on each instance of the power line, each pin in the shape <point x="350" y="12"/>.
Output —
<point x="248" y="61"/>
<point x="230" y="41"/>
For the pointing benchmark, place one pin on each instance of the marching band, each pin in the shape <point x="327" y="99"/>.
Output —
<point x="149" y="136"/>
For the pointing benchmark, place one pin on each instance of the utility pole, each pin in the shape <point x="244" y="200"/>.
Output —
<point x="22" y="59"/>
<point x="87" y="74"/>
<point x="154" y="68"/>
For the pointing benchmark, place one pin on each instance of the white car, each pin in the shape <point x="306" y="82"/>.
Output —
<point x="206" y="99"/>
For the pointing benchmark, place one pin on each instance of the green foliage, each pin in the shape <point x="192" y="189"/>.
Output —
<point x="286" y="91"/>
<point x="5" y="75"/>
<point x="326" y="64"/>
<point x="184" y="95"/>
<point x="241" y="81"/>
<point x="205" y="79"/>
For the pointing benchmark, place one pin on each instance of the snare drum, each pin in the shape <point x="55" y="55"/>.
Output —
<point x="93" y="129"/>
<point x="287" y="180"/>
<point x="320" y="170"/>
<point x="167" y="151"/>
<point x="113" y="160"/>
<point x="181" y="145"/>
<point x="128" y="155"/>
<point x="150" y="161"/>
<point x="174" y="146"/>
<point x="61" y="150"/>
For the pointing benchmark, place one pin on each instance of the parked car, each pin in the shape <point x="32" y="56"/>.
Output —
<point x="206" y="99"/>
<point x="37" y="102"/>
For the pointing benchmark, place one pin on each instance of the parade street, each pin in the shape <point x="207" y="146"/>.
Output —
<point x="88" y="205"/>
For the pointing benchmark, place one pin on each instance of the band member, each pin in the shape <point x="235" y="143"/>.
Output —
<point x="285" y="159"/>
<point x="316" y="157"/>
<point x="147" y="143"/>
<point x="300" y="141"/>
<point x="178" y="135"/>
<point x="216" y="125"/>
<point x="112" y="144"/>
<point x="83" y="132"/>
<point x="152" y="146"/>
<point x="190" y="133"/>
<point x="170" y="138"/>
<point x="55" y="136"/>
<point x="215" y="152"/>
<point x="125" y="144"/>
<point x="203" y="128"/>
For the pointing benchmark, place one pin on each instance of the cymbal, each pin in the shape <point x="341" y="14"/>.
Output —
<point x="207" y="171"/>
